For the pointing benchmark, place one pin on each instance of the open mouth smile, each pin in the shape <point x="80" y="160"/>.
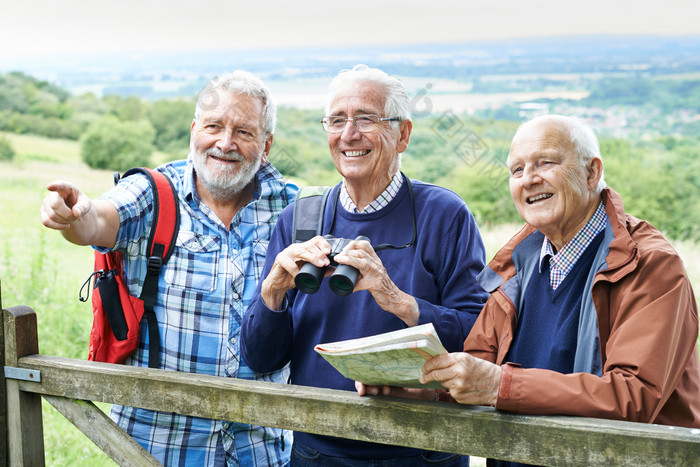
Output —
<point x="540" y="197"/>
<point x="356" y="153"/>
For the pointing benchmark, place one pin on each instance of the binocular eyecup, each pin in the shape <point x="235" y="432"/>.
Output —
<point x="342" y="281"/>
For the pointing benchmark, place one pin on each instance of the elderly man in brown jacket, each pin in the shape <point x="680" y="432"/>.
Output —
<point x="591" y="312"/>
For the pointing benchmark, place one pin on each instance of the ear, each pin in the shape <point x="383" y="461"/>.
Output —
<point x="267" y="147"/>
<point x="595" y="172"/>
<point x="194" y="123"/>
<point x="405" y="128"/>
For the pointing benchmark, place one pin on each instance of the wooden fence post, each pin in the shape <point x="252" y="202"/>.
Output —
<point x="3" y="395"/>
<point x="25" y="431"/>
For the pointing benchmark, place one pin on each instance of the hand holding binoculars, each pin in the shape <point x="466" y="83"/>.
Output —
<point x="342" y="281"/>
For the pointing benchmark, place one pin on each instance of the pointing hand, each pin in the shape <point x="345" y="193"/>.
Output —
<point x="64" y="205"/>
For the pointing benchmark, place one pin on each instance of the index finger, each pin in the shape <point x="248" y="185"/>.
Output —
<point x="314" y="251"/>
<point x="65" y="190"/>
<point x="320" y="243"/>
<point x="361" y="243"/>
<point x="438" y="362"/>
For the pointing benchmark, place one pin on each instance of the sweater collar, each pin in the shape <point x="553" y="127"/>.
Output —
<point x="380" y="202"/>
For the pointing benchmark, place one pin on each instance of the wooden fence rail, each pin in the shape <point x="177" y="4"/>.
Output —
<point x="71" y="386"/>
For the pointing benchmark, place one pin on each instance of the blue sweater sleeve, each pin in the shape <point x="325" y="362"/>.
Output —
<point x="266" y="335"/>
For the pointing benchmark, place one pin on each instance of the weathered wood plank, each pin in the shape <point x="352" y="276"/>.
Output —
<point x="25" y="433"/>
<point x="3" y="392"/>
<point x="106" y="434"/>
<point x="477" y="431"/>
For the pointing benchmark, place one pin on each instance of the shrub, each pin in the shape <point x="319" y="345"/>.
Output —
<point x="7" y="152"/>
<point x="172" y="120"/>
<point x="116" y="145"/>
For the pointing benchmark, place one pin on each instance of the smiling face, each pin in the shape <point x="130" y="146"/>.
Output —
<point x="367" y="161"/>
<point x="228" y="144"/>
<point x="551" y="190"/>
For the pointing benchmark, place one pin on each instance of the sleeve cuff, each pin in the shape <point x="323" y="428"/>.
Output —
<point x="283" y="308"/>
<point x="504" y="388"/>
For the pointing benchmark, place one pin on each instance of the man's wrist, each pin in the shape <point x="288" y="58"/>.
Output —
<point x="497" y="379"/>
<point x="409" y="311"/>
<point x="273" y="300"/>
<point x="392" y="299"/>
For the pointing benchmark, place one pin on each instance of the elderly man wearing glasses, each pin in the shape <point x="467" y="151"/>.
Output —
<point x="428" y="253"/>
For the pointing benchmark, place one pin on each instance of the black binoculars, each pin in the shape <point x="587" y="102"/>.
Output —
<point x="342" y="281"/>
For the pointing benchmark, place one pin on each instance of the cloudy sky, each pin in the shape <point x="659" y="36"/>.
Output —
<point x="35" y="28"/>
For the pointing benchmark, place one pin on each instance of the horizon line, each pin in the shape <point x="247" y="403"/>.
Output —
<point x="32" y="55"/>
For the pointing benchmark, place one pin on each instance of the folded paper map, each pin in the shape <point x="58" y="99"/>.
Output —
<point x="393" y="358"/>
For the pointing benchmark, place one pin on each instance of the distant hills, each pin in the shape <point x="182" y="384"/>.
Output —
<point x="155" y="76"/>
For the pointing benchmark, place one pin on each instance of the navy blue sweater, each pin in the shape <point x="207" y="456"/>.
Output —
<point x="439" y="271"/>
<point x="548" y="324"/>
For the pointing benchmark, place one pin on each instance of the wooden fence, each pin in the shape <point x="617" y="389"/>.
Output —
<point x="71" y="385"/>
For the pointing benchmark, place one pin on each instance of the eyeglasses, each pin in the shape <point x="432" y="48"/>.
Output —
<point x="362" y="123"/>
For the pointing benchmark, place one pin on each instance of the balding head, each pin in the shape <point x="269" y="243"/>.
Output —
<point x="576" y="133"/>
<point x="555" y="175"/>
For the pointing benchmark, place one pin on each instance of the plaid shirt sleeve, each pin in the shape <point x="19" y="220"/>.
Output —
<point x="203" y="292"/>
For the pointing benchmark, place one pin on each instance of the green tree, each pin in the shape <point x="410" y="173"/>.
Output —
<point x="11" y="96"/>
<point x="7" y="152"/>
<point x="132" y="109"/>
<point x="658" y="185"/>
<point x="483" y="185"/>
<point x="172" y="120"/>
<point x="110" y="143"/>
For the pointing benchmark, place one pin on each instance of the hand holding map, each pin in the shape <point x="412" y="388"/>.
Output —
<point x="392" y="359"/>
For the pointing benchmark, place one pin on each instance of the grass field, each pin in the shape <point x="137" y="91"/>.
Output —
<point x="39" y="269"/>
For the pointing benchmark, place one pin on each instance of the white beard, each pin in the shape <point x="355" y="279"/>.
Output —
<point x="225" y="185"/>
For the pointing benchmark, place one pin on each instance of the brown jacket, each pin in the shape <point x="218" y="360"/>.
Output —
<point x="647" y="328"/>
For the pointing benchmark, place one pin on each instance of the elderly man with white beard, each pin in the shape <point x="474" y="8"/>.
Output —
<point x="229" y="198"/>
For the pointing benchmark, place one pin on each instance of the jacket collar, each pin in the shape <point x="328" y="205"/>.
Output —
<point x="623" y="255"/>
<point x="621" y="259"/>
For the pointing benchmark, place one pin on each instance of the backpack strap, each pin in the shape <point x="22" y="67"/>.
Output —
<point x="161" y="243"/>
<point x="308" y="212"/>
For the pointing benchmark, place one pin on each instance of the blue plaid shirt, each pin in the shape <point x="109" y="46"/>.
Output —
<point x="203" y="291"/>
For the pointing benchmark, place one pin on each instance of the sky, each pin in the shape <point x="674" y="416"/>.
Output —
<point x="31" y="29"/>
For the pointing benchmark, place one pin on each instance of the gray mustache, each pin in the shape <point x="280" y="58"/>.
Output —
<point x="231" y="155"/>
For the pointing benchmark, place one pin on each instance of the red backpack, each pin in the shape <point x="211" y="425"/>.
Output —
<point x="116" y="314"/>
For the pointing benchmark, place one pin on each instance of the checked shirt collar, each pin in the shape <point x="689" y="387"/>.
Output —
<point x="382" y="200"/>
<point x="561" y="263"/>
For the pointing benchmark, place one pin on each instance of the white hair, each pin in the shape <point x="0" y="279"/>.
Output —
<point x="583" y="140"/>
<point x="241" y="82"/>
<point x="397" y="101"/>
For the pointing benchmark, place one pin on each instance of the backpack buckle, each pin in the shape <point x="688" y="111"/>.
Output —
<point x="154" y="264"/>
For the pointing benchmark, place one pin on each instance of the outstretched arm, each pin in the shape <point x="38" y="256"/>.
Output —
<point x="81" y="220"/>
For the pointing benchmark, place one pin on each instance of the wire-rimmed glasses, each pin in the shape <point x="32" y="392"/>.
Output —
<point x="362" y="123"/>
